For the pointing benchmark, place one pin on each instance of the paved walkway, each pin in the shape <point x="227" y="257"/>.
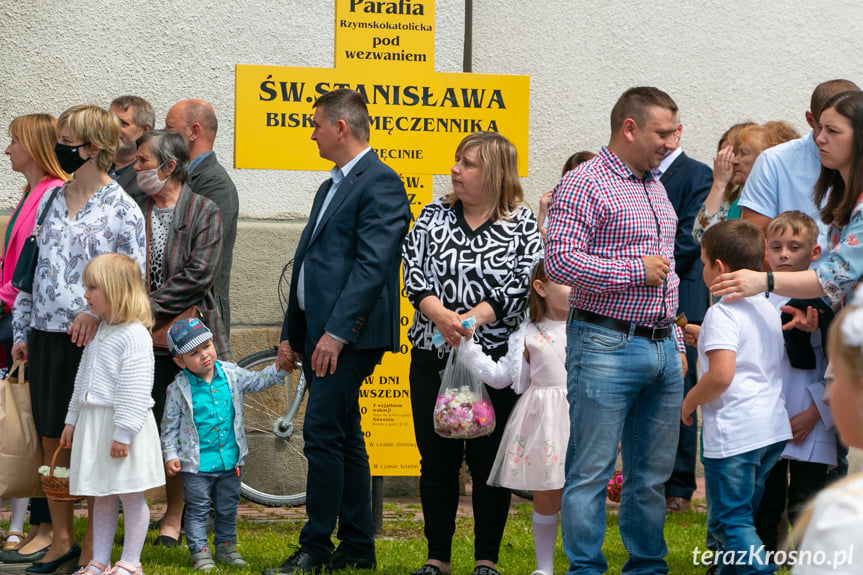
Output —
<point x="253" y="512"/>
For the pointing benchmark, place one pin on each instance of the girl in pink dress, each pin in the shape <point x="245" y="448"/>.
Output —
<point x="531" y="453"/>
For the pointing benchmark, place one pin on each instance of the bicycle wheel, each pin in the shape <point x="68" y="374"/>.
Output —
<point x="275" y="469"/>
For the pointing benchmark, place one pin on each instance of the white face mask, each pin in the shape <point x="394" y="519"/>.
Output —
<point x="149" y="182"/>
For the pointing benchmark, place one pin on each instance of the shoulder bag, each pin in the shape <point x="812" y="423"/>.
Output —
<point x="25" y="268"/>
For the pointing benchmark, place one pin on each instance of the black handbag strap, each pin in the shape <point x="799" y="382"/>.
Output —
<point x="44" y="213"/>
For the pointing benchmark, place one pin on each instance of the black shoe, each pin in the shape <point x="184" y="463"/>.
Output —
<point x="297" y="564"/>
<point x="51" y="566"/>
<point x="343" y="559"/>
<point x="13" y="556"/>
<point x="428" y="569"/>
<point x="167" y="541"/>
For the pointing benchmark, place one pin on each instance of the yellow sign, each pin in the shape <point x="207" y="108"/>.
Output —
<point x="416" y="122"/>
<point x="385" y="51"/>
<point x="372" y="34"/>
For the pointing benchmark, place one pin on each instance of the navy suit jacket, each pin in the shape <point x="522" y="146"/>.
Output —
<point x="352" y="262"/>
<point x="687" y="183"/>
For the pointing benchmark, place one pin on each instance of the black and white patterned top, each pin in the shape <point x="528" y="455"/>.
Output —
<point x="160" y="227"/>
<point x="443" y="257"/>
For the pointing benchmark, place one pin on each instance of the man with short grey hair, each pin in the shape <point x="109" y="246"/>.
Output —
<point x="195" y="120"/>
<point x="136" y="116"/>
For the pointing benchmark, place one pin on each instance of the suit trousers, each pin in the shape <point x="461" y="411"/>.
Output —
<point x="682" y="481"/>
<point x="338" y="488"/>
<point x="806" y="479"/>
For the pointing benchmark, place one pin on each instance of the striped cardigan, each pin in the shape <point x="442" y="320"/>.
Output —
<point x="192" y="255"/>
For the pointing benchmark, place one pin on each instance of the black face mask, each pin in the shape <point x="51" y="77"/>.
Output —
<point x="68" y="157"/>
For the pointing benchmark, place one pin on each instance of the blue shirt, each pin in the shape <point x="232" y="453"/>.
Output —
<point x="194" y="163"/>
<point x="114" y="173"/>
<point x="783" y="178"/>
<point x="214" y="420"/>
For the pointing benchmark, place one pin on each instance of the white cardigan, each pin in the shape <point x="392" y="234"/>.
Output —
<point x="116" y="371"/>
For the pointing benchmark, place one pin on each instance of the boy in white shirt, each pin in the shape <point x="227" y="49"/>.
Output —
<point x="740" y="354"/>
<point x="792" y="244"/>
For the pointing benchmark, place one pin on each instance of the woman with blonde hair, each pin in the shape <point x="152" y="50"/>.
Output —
<point x="87" y="216"/>
<point x="31" y="152"/>
<point x="469" y="255"/>
<point x="738" y="149"/>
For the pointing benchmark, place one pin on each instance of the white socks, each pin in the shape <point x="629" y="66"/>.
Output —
<point x="136" y="519"/>
<point x="544" y="537"/>
<point x="19" y="512"/>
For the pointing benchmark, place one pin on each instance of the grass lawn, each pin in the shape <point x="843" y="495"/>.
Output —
<point x="401" y="547"/>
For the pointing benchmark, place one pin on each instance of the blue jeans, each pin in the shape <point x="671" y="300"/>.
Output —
<point x="223" y="489"/>
<point x="628" y="389"/>
<point x="735" y="486"/>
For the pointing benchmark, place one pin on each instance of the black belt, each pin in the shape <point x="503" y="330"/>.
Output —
<point x="655" y="333"/>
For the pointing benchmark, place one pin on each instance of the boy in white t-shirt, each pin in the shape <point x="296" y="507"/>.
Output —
<point x="740" y="354"/>
<point x="792" y="244"/>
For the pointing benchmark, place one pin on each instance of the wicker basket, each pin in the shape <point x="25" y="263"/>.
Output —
<point x="57" y="488"/>
<point x="612" y="490"/>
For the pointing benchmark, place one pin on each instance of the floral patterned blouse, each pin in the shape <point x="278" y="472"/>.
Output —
<point x="109" y="222"/>
<point x="843" y="268"/>
<point x="727" y="211"/>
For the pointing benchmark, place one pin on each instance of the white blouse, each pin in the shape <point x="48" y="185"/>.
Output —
<point x="109" y="222"/>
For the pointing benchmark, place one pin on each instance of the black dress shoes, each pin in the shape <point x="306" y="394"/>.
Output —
<point x="51" y="566"/>
<point x="13" y="556"/>
<point x="343" y="559"/>
<point x="167" y="541"/>
<point x="300" y="563"/>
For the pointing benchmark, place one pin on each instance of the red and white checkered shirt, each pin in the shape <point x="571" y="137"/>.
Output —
<point x="602" y="221"/>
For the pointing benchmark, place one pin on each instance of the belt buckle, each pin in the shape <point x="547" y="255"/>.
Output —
<point x="657" y="328"/>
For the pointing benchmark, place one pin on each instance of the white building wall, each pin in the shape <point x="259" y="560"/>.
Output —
<point x="723" y="62"/>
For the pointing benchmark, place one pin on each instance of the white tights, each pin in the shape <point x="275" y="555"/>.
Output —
<point x="136" y="519"/>
<point x="19" y="512"/>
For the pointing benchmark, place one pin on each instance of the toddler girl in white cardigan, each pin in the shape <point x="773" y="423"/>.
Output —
<point x="110" y="426"/>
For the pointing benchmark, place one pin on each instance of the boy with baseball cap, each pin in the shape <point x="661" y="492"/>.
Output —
<point x="203" y="438"/>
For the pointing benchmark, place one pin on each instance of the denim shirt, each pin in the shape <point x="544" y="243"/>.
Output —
<point x="214" y="419"/>
<point x="180" y="436"/>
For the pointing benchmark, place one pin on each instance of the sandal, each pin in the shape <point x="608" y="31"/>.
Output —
<point x="485" y="570"/>
<point x="93" y="567"/>
<point x="10" y="545"/>
<point x="131" y="570"/>
<point x="428" y="569"/>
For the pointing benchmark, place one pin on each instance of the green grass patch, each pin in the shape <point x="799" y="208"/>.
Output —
<point x="401" y="547"/>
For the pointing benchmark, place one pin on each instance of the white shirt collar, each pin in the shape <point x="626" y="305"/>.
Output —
<point x="667" y="161"/>
<point x="339" y="174"/>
